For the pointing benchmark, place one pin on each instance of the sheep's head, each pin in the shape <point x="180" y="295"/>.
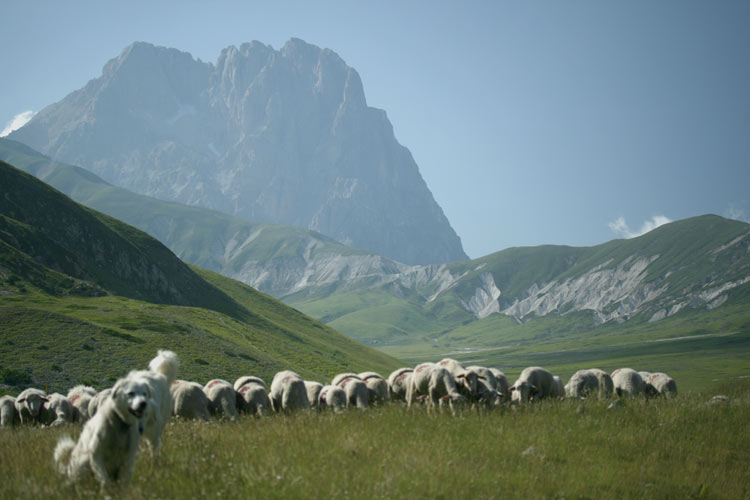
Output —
<point x="468" y="379"/>
<point x="522" y="392"/>
<point x="33" y="402"/>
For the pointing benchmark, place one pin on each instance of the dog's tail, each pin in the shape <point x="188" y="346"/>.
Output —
<point x="63" y="451"/>
<point x="166" y="363"/>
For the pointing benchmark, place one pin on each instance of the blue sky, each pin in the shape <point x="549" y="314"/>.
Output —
<point x="532" y="122"/>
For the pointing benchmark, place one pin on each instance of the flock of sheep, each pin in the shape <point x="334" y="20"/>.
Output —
<point x="446" y="382"/>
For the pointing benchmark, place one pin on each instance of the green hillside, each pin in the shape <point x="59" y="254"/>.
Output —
<point x="85" y="298"/>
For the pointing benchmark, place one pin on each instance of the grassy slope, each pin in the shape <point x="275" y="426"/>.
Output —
<point x="680" y="448"/>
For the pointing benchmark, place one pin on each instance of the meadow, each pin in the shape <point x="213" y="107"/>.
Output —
<point x="680" y="448"/>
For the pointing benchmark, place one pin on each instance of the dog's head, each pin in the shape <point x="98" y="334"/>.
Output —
<point x="131" y="399"/>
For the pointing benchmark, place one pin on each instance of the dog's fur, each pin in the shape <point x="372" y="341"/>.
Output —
<point x="139" y="404"/>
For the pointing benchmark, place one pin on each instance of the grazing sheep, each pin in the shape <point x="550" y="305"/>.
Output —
<point x="627" y="382"/>
<point x="533" y="383"/>
<point x="466" y="380"/>
<point x="97" y="400"/>
<point x="437" y="383"/>
<point x="487" y="387"/>
<point x="29" y="406"/>
<point x="377" y="387"/>
<point x="8" y="413"/>
<point x="222" y="398"/>
<point x="57" y="410"/>
<point x="288" y="392"/>
<point x="252" y="396"/>
<point x="398" y="383"/>
<point x="313" y="390"/>
<point x="503" y="385"/>
<point x="80" y="396"/>
<point x="355" y="389"/>
<point x="332" y="396"/>
<point x="606" y="387"/>
<point x="582" y="384"/>
<point x="661" y="384"/>
<point x="189" y="400"/>
<point x="558" y="390"/>
<point x="644" y="376"/>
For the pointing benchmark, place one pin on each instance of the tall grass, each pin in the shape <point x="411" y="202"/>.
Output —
<point x="681" y="448"/>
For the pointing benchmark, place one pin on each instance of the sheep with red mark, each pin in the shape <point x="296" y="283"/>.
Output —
<point x="398" y="383"/>
<point x="437" y="383"/>
<point x="29" y="405"/>
<point x="288" y="392"/>
<point x="661" y="384"/>
<point x="57" y="410"/>
<point x="533" y="384"/>
<point x="466" y="380"/>
<point x="189" y="401"/>
<point x="377" y="388"/>
<point x="222" y="399"/>
<point x="332" y="397"/>
<point x="627" y="382"/>
<point x="582" y="384"/>
<point x="356" y="391"/>
<point x="8" y="414"/>
<point x="606" y="387"/>
<point x="313" y="390"/>
<point x="80" y="396"/>
<point x="252" y="396"/>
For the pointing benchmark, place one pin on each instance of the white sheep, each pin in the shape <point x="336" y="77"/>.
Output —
<point x="582" y="384"/>
<point x="288" y="392"/>
<point x="627" y="382"/>
<point x="466" y="380"/>
<point x="661" y="384"/>
<point x="487" y="386"/>
<point x="57" y="410"/>
<point x="80" y="396"/>
<point x="97" y="400"/>
<point x="313" y="390"/>
<point x="333" y="397"/>
<point x="29" y="405"/>
<point x="8" y="413"/>
<point x="503" y="385"/>
<point x="534" y="383"/>
<point x="398" y="383"/>
<point x="222" y="398"/>
<point x="189" y="400"/>
<point x="437" y="383"/>
<point x="606" y="387"/>
<point x="356" y="391"/>
<point x="558" y="390"/>
<point x="644" y="376"/>
<point x="377" y="387"/>
<point x="252" y="396"/>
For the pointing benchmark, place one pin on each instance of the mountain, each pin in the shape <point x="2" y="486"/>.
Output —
<point x="85" y="298"/>
<point x="280" y="136"/>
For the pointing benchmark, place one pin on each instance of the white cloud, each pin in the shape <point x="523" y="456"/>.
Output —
<point x="17" y="122"/>
<point x="736" y="213"/>
<point x="620" y="227"/>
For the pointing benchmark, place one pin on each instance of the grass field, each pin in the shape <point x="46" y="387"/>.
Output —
<point x="681" y="448"/>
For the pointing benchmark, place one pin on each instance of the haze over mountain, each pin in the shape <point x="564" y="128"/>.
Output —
<point x="270" y="136"/>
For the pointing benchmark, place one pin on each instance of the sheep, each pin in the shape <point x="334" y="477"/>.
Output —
<point x="313" y="390"/>
<point x="222" y="398"/>
<point x="29" y="405"/>
<point x="465" y="380"/>
<point x="377" y="387"/>
<point x="644" y="376"/>
<point x="437" y="383"/>
<point x="57" y="410"/>
<point x="80" y="396"/>
<point x="398" y="383"/>
<point x="355" y="389"/>
<point x="582" y="384"/>
<point x="503" y="386"/>
<point x="252" y="396"/>
<point x="606" y="387"/>
<point x="288" y="392"/>
<point x="534" y="383"/>
<point x="97" y="400"/>
<point x="189" y="400"/>
<point x="558" y="391"/>
<point x="487" y="386"/>
<point x="627" y="382"/>
<point x="661" y="384"/>
<point x="8" y="413"/>
<point x="332" y="396"/>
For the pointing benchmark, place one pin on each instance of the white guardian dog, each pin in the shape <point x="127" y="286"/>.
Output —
<point x="138" y="404"/>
